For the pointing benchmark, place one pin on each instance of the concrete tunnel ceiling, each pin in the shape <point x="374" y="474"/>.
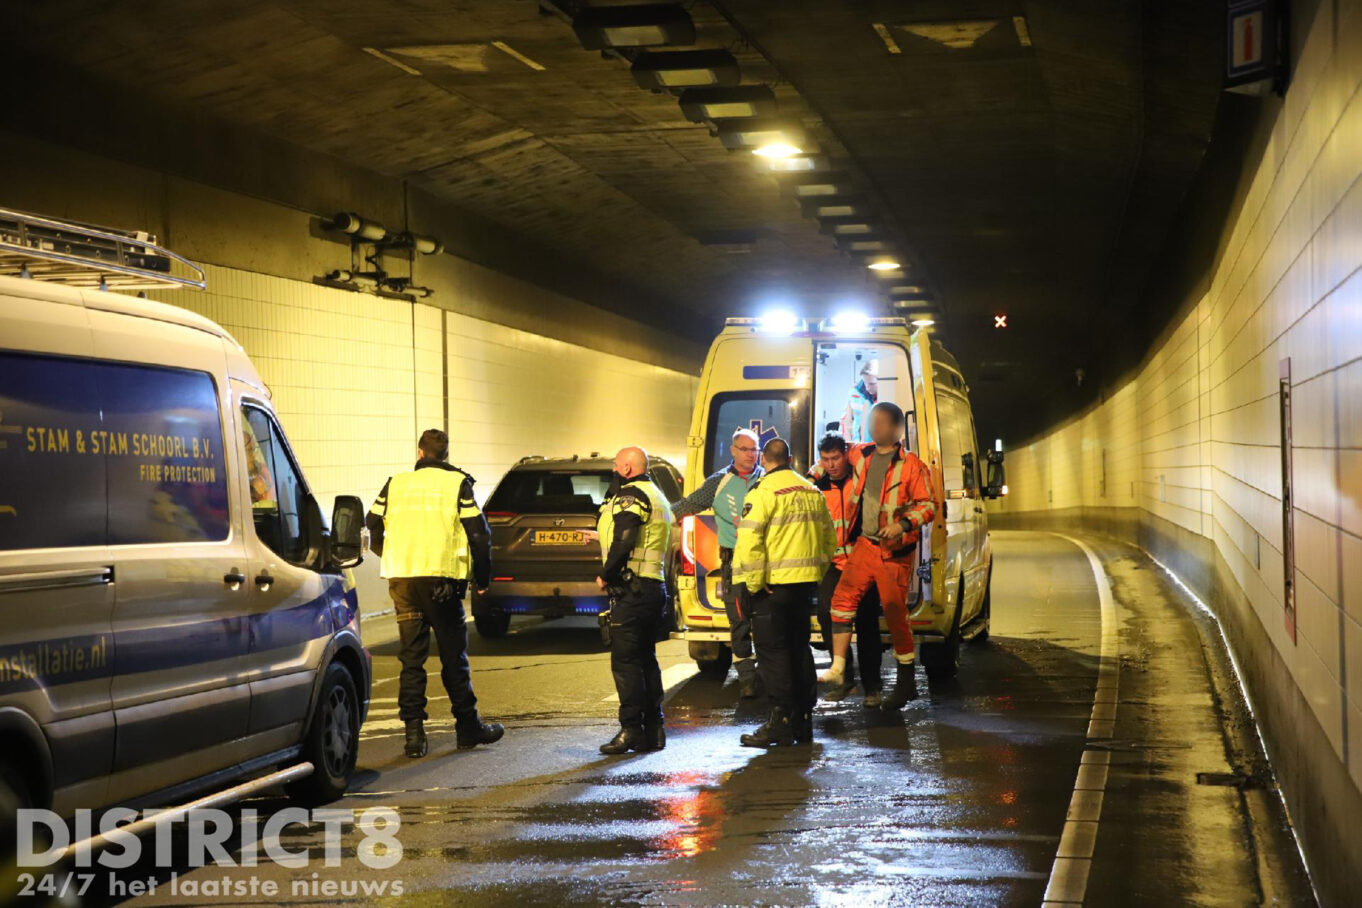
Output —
<point x="1025" y="158"/>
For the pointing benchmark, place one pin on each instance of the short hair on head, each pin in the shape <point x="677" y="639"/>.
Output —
<point x="741" y="432"/>
<point x="888" y="406"/>
<point x="434" y="444"/>
<point x="833" y="441"/>
<point x="776" y="451"/>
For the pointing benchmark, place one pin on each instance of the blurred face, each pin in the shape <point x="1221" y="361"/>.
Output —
<point x="882" y="428"/>
<point x="744" y="452"/>
<point x="834" y="463"/>
<point x="872" y="383"/>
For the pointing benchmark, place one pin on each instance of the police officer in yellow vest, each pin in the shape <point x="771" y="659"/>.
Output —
<point x="635" y="527"/>
<point x="786" y="541"/>
<point x="433" y="539"/>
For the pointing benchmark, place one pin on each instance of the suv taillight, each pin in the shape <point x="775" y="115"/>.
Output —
<point x="688" y="546"/>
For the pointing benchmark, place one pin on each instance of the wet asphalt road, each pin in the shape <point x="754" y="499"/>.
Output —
<point x="961" y="800"/>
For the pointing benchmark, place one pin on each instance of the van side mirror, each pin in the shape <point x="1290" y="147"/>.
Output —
<point x="997" y="477"/>
<point x="967" y="464"/>
<point x="347" y="527"/>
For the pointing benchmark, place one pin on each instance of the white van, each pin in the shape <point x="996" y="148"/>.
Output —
<point x="176" y="614"/>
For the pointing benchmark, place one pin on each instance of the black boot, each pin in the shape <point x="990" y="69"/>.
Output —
<point x="777" y="730"/>
<point x="905" y="688"/>
<point x="629" y="737"/>
<point x="416" y="739"/>
<point x="801" y="728"/>
<point x="471" y="734"/>
<point x="748" y="678"/>
<point x="656" y="736"/>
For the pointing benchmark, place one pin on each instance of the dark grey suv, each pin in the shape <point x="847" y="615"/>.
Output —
<point x="545" y="555"/>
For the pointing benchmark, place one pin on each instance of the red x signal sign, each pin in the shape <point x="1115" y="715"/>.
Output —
<point x="1000" y="321"/>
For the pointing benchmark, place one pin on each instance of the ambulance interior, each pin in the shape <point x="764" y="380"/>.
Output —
<point x="838" y="368"/>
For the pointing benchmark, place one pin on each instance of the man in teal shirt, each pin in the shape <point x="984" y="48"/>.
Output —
<point x="725" y="491"/>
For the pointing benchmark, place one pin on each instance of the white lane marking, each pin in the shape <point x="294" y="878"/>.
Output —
<point x="1073" y="860"/>
<point x="672" y="677"/>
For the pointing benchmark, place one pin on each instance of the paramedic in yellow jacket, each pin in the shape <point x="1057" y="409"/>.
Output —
<point x="786" y="541"/>
<point x="634" y="527"/>
<point x="433" y="539"/>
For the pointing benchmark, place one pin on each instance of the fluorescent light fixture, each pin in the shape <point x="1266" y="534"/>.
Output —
<point x="823" y="183"/>
<point x="923" y="322"/>
<point x="884" y="264"/>
<point x="847" y="226"/>
<point x="644" y="25"/>
<point x="776" y="150"/>
<point x="760" y="132"/>
<point x="909" y="292"/>
<point x="866" y="246"/>
<point x="850" y="321"/>
<point x="701" y="104"/>
<point x="834" y="206"/>
<point x="679" y="69"/>
<point x="779" y="321"/>
<point x="800" y="163"/>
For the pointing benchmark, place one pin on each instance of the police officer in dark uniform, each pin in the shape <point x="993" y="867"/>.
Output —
<point x="635" y="529"/>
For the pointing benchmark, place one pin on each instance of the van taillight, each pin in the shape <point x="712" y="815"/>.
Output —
<point x="501" y="515"/>
<point x="688" y="546"/>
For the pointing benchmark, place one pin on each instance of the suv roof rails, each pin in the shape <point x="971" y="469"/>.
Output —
<point x="531" y="458"/>
<point x="84" y="255"/>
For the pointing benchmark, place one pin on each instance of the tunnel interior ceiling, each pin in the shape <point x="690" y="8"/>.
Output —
<point x="1032" y="156"/>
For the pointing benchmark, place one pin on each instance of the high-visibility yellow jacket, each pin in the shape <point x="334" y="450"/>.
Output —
<point x="645" y="502"/>
<point x="785" y="534"/>
<point x="422" y="514"/>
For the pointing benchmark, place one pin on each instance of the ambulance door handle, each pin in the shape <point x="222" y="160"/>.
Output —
<point x="234" y="578"/>
<point x="263" y="580"/>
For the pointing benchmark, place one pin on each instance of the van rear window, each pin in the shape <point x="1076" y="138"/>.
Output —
<point x="771" y="414"/>
<point x="97" y="452"/>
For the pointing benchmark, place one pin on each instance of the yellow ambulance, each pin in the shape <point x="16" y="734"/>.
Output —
<point x="796" y="379"/>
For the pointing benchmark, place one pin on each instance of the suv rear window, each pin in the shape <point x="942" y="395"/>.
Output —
<point x="550" y="492"/>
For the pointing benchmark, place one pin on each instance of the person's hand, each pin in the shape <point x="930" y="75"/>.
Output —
<point x="892" y="532"/>
<point x="600" y="582"/>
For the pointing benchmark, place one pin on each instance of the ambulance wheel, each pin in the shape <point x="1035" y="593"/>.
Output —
<point x="332" y="741"/>
<point x="14" y="796"/>
<point x="941" y="659"/>
<point x="492" y="626"/>
<point x="716" y="668"/>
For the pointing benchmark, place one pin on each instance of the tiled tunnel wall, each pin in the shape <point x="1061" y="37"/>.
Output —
<point x="1186" y="456"/>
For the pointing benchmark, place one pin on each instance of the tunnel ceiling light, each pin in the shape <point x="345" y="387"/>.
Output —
<point x="762" y="132"/>
<point x="701" y="104"/>
<point x="679" y="69"/>
<point x="809" y="185"/>
<point x="779" y="321"/>
<point x="809" y="162"/>
<point x="645" y="25"/>
<point x="834" y="206"/>
<point x="909" y="292"/>
<point x="862" y="245"/>
<point x="924" y="322"/>
<point x="847" y="226"/>
<point x="883" y="263"/>
<point x="776" y="150"/>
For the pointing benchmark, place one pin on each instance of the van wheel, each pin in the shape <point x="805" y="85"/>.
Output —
<point x="492" y="626"/>
<point x="332" y="742"/>
<point x="717" y="668"/>
<point x="942" y="659"/>
<point x="986" y="608"/>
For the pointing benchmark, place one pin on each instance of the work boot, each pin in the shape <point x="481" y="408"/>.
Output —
<point x="801" y="728"/>
<point x="478" y="732"/>
<point x="873" y="699"/>
<point x="656" y="736"/>
<point x="840" y="692"/>
<point x="905" y="688"/>
<point x="777" y="730"/>
<point x="748" y="679"/>
<point x="629" y="737"/>
<point x="416" y="739"/>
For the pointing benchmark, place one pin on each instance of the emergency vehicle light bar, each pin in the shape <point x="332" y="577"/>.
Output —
<point x="821" y="325"/>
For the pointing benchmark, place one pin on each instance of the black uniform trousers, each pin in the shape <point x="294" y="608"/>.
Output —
<point x="424" y="604"/>
<point x="869" y="646"/>
<point x="636" y="619"/>
<point x="739" y="625"/>
<point x="780" y="628"/>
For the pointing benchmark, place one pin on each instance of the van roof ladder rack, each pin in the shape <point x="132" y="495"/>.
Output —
<point x="83" y="255"/>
